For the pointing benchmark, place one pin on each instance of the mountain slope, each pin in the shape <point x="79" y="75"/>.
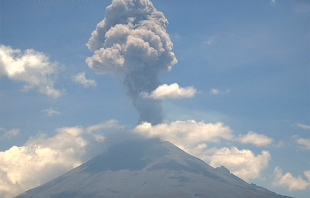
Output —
<point x="147" y="168"/>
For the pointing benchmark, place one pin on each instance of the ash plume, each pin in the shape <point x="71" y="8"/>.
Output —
<point x="131" y="43"/>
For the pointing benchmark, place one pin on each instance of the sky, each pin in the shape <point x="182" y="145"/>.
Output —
<point x="226" y="81"/>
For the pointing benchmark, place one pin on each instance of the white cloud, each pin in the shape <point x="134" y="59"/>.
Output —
<point x="307" y="174"/>
<point x="217" y="91"/>
<point x="10" y="133"/>
<point x="302" y="126"/>
<point x="304" y="143"/>
<point x="32" y="68"/>
<point x="43" y="158"/>
<point x="193" y="137"/>
<point x="243" y="163"/>
<point x="173" y="91"/>
<point x="289" y="181"/>
<point x="40" y="160"/>
<point x="51" y="112"/>
<point x="256" y="139"/>
<point x="81" y="79"/>
<point x="186" y="134"/>
<point x="99" y="138"/>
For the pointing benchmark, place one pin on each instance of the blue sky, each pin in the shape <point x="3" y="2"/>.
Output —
<point x="244" y="63"/>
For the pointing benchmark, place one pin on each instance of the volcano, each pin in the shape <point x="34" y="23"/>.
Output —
<point x="148" y="168"/>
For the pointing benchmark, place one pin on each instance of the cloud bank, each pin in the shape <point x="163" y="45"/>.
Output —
<point x="186" y="133"/>
<point x="40" y="160"/>
<point x="32" y="68"/>
<point x="43" y="158"/>
<point x="194" y="137"/>
<point x="131" y="43"/>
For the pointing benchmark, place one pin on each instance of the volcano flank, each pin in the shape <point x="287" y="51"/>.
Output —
<point x="147" y="168"/>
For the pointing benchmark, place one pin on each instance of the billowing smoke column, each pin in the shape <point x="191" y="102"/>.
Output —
<point x="131" y="43"/>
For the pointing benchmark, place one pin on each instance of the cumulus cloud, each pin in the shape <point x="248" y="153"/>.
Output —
<point x="186" y="134"/>
<point x="304" y="143"/>
<point x="81" y="79"/>
<point x="289" y="181"/>
<point x="39" y="160"/>
<point x="51" y="112"/>
<point x="131" y="43"/>
<point x="255" y="138"/>
<point x="43" y="158"/>
<point x="193" y="137"/>
<point x="32" y="68"/>
<point x="8" y="134"/>
<point x="173" y="91"/>
<point x="243" y="163"/>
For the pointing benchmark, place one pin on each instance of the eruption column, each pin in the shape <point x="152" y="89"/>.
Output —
<point x="131" y="43"/>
